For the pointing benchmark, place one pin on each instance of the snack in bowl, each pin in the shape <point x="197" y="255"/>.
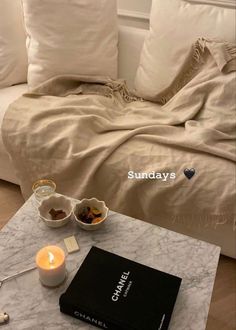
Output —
<point x="90" y="214"/>
<point x="55" y="211"/>
<point x="57" y="214"/>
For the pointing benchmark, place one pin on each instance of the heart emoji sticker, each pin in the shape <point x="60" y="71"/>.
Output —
<point x="189" y="173"/>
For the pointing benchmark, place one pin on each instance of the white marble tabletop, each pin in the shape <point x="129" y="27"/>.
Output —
<point x="34" y="307"/>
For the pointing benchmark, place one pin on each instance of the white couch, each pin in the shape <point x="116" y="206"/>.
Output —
<point x="130" y="44"/>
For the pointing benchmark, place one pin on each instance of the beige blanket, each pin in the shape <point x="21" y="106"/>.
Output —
<point x="87" y="135"/>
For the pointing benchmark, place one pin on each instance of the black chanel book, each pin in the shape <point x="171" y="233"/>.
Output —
<point x="115" y="293"/>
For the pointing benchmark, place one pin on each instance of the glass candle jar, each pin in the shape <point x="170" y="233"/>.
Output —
<point x="43" y="188"/>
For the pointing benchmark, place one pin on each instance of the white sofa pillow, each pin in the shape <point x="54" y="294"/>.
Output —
<point x="70" y="37"/>
<point x="13" y="56"/>
<point x="174" y="26"/>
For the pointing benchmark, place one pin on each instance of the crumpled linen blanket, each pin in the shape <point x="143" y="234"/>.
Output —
<point x="92" y="136"/>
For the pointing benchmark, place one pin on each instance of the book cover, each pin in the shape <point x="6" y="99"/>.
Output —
<point x="115" y="293"/>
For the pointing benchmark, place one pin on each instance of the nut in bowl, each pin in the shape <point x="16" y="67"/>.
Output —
<point x="90" y="214"/>
<point x="55" y="211"/>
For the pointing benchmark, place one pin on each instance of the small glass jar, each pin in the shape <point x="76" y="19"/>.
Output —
<point x="43" y="188"/>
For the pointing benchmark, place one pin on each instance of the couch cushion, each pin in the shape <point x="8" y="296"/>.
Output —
<point x="71" y="37"/>
<point x="174" y="27"/>
<point x="13" y="58"/>
<point x="130" y="46"/>
<point x="7" y="96"/>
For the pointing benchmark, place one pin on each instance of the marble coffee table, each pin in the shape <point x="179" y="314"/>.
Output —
<point x="34" y="307"/>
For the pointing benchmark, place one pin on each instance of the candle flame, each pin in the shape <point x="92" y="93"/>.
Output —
<point x="50" y="257"/>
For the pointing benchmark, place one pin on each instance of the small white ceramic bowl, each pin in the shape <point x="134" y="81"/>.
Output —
<point x="57" y="203"/>
<point x="92" y="202"/>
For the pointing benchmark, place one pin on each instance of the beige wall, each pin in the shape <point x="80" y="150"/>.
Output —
<point x="137" y="5"/>
<point x="134" y="12"/>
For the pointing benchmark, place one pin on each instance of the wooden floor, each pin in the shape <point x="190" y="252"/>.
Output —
<point x="222" y="315"/>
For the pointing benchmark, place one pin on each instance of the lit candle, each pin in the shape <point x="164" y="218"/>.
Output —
<point x="50" y="262"/>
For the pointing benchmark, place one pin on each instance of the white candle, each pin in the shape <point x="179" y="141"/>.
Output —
<point x="50" y="262"/>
